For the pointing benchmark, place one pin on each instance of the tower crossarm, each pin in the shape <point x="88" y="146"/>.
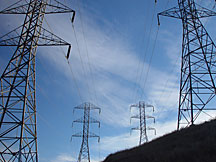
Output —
<point x="79" y="134"/>
<point x="96" y="108"/>
<point x="150" y="117"/>
<point x="91" y="120"/>
<point x="45" y="37"/>
<point x="87" y="105"/>
<point x="80" y="120"/>
<point x="150" y="106"/>
<point x="52" y="7"/>
<point x="204" y="12"/>
<point x="134" y="129"/>
<point x="175" y="12"/>
<point x="134" y="105"/>
<point x="93" y="107"/>
<point x="134" y="117"/>
<point x="93" y="135"/>
<point x="150" y="128"/>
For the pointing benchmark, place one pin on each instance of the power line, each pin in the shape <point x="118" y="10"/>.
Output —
<point x="149" y="65"/>
<point x="74" y="79"/>
<point x="71" y="70"/>
<point x="82" y="64"/>
<point x="147" y="47"/>
<point x="87" y="52"/>
<point x="80" y="56"/>
<point x="140" y="58"/>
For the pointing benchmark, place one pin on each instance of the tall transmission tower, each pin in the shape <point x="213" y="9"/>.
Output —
<point x="198" y="62"/>
<point x="85" y="134"/>
<point x="142" y="120"/>
<point x="18" y="130"/>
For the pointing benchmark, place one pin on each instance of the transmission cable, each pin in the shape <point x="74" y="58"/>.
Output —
<point x="142" y="69"/>
<point x="73" y="77"/>
<point x="87" y="52"/>
<point x="150" y="62"/>
<point x="140" y="58"/>
<point x="80" y="57"/>
<point x="71" y="70"/>
<point x="154" y="45"/>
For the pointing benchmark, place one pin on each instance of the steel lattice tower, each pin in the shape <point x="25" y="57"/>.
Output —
<point x="142" y="120"/>
<point x="84" y="155"/>
<point x="198" y="72"/>
<point x="18" y="131"/>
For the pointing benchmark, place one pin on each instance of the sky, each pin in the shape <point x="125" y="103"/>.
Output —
<point x="119" y="56"/>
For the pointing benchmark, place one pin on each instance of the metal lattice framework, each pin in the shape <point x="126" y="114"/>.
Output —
<point x="198" y="64"/>
<point x="142" y="117"/>
<point x="18" y="131"/>
<point x="84" y="155"/>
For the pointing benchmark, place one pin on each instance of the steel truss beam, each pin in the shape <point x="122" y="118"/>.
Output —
<point x="18" y="131"/>
<point x="142" y="117"/>
<point x="198" y="72"/>
<point x="84" y="155"/>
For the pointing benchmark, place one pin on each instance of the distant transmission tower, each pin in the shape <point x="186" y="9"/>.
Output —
<point x="84" y="155"/>
<point x="142" y="120"/>
<point x="198" y="64"/>
<point x="18" y="131"/>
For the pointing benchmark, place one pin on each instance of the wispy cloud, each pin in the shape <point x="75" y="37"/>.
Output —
<point x="63" y="158"/>
<point x="114" y="64"/>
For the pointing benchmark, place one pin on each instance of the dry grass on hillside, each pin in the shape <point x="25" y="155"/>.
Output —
<point x="194" y="144"/>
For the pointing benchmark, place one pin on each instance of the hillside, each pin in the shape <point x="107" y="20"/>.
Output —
<point x="194" y="144"/>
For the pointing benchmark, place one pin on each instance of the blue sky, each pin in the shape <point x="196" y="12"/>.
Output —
<point x="109" y="70"/>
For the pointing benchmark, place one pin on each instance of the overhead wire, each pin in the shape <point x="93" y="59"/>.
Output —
<point x="79" y="52"/>
<point x="87" y="52"/>
<point x="70" y="68"/>
<point x="150" y="62"/>
<point x="140" y="58"/>
<point x="143" y="62"/>
<point x="90" y="66"/>
<point x="168" y="1"/>
<point x="80" y="57"/>
<point x="165" y="85"/>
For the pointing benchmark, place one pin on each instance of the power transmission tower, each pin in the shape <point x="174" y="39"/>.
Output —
<point x="18" y="130"/>
<point x="84" y="155"/>
<point x="198" y="72"/>
<point x="142" y="120"/>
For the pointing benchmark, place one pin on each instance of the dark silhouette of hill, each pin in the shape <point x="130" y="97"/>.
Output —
<point x="194" y="144"/>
